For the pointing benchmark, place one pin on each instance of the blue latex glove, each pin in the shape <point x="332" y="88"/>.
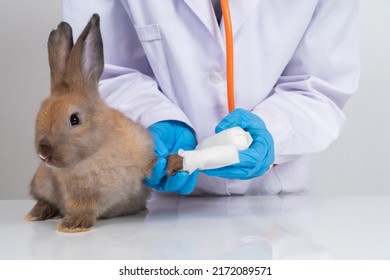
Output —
<point x="255" y="160"/>
<point x="169" y="137"/>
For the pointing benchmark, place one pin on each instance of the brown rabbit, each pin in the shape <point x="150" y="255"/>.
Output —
<point x="94" y="159"/>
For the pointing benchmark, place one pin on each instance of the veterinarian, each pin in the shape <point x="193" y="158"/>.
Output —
<point x="296" y="66"/>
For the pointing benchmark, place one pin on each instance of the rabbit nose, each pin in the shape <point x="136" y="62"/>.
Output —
<point x="45" y="149"/>
<point x="44" y="143"/>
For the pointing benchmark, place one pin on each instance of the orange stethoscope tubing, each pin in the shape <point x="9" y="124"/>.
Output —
<point x="229" y="54"/>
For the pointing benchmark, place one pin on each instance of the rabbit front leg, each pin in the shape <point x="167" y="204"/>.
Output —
<point x="80" y="214"/>
<point x="174" y="165"/>
<point x="43" y="210"/>
<point x="43" y="189"/>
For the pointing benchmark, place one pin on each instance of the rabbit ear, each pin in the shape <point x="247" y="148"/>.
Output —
<point x="86" y="60"/>
<point x="59" y="46"/>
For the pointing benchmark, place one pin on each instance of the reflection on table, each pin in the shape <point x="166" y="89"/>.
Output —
<point x="238" y="227"/>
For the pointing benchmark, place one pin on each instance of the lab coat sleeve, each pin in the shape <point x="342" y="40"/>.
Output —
<point x="304" y="111"/>
<point x="127" y="83"/>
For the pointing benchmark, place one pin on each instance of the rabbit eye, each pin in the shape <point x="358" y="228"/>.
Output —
<point x="74" y="119"/>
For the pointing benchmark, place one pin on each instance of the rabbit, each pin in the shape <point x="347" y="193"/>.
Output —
<point x="93" y="158"/>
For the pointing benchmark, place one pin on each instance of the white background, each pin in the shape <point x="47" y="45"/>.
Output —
<point x="357" y="163"/>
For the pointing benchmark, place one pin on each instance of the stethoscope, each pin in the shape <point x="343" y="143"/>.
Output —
<point x="229" y="54"/>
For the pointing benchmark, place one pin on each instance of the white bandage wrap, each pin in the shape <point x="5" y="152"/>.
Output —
<point x="217" y="151"/>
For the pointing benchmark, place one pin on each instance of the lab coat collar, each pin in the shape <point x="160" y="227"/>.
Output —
<point x="239" y="11"/>
<point x="204" y="12"/>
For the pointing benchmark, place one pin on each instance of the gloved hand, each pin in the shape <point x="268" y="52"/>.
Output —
<point x="255" y="160"/>
<point x="169" y="137"/>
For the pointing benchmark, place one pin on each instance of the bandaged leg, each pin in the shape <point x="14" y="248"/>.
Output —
<point x="216" y="151"/>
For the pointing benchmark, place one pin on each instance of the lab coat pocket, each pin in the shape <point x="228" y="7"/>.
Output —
<point x="152" y="43"/>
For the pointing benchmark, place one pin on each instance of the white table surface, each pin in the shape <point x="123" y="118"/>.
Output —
<point x="240" y="227"/>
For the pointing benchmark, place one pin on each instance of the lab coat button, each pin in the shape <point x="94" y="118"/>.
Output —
<point x="216" y="78"/>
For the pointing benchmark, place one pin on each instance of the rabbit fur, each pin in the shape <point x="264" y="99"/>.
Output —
<point x="94" y="159"/>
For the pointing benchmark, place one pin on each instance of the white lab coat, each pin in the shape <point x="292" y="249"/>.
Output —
<point x="296" y="65"/>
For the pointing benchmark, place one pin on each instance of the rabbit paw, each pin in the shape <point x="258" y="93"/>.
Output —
<point x="174" y="165"/>
<point x="43" y="210"/>
<point x="76" y="224"/>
